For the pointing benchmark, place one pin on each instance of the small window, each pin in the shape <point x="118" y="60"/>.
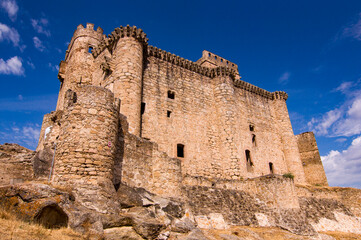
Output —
<point x="142" y="110"/>
<point x="251" y="128"/>
<point x="270" y="167"/>
<point x="90" y="49"/>
<point x="171" y="94"/>
<point x="180" y="150"/>
<point x="254" y="140"/>
<point x="249" y="161"/>
<point x="168" y="113"/>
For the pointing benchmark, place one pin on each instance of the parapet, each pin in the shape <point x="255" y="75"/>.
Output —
<point x="212" y="60"/>
<point x="120" y="32"/>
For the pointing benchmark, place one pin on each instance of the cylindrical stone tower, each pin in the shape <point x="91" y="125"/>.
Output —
<point x="88" y="137"/>
<point x="225" y="104"/>
<point x="78" y="65"/>
<point x="128" y="74"/>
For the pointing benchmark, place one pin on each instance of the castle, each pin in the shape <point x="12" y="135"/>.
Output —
<point x="137" y="129"/>
<point x="200" y="113"/>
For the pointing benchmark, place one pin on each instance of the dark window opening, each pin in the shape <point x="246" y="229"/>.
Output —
<point x="171" y="94"/>
<point x="142" y="108"/>
<point x="180" y="150"/>
<point x="251" y="127"/>
<point x="254" y="140"/>
<point x="249" y="161"/>
<point x="270" y="167"/>
<point x="90" y="49"/>
<point x="168" y="113"/>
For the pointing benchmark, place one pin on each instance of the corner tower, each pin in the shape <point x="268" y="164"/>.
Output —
<point x="78" y="65"/>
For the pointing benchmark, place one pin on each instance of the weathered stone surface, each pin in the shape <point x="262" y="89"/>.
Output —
<point x="15" y="164"/>
<point x="128" y="197"/>
<point x="121" y="233"/>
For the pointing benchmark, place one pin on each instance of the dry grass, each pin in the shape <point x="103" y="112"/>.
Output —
<point x="269" y="233"/>
<point x="14" y="229"/>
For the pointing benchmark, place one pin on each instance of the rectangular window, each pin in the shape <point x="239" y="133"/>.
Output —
<point x="270" y="167"/>
<point x="142" y="108"/>
<point x="171" y="94"/>
<point x="168" y="113"/>
<point x="180" y="150"/>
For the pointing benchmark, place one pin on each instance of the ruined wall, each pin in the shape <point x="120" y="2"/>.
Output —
<point x="311" y="160"/>
<point x="15" y="164"/>
<point x="144" y="165"/>
<point x="253" y="202"/>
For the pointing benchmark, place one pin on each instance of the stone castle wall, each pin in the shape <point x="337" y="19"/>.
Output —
<point x="212" y="118"/>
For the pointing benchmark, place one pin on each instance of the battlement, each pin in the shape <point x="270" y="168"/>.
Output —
<point x="212" y="60"/>
<point x="189" y="65"/>
<point x="118" y="33"/>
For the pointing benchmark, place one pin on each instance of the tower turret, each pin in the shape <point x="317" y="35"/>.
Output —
<point x="78" y="65"/>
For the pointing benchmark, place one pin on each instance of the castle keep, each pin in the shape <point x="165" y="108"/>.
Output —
<point x="145" y="141"/>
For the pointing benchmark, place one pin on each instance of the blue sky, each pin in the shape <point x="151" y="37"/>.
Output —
<point x="310" y="49"/>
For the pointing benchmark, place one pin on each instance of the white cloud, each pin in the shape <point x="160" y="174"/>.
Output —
<point x="40" y="26"/>
<point x="343" y="167"/>
<point x="9" y="34"/>
<point x="11" y="8"/>
<point x="30" y="63"/>
<point x="55" y="68"/>
<point x="353" y="30"/>
<point x="26" y="135"/>
<point x="284" y="78"/>
<point x="38" y="44"/>
<point x="344" y="121"/>
<point x="12" y="66"/>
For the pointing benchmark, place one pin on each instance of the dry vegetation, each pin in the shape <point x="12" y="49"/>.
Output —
<point x="270" y="233"/>
<point x="14" y="229"/>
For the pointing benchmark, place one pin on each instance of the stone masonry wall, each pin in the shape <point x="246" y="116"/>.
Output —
<point x="88" y="136"/>
<point x="143" y="165"/>
<point x="205" y="117"/>
<point x="311" y="160"/>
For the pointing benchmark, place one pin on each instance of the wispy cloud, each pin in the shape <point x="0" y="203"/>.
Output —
<point x="55" y="68"/>
<point x="26" y="135"/>
<point x="11" y="7"/>
<point x="353" y="30"/>
<point x="12" y="66"/>
<point x="9" y="34"/>
<point x="343" y="167"/>
<point x="284" y="78"/>
<point x="344" y="121"/>
<point x="38" y="44"/>
<point x="40" y="26"/>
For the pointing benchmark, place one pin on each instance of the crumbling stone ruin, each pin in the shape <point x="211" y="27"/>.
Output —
<point x="147" y="144"/>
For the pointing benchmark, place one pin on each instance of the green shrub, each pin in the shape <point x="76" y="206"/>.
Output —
<point x="289" y="175"/>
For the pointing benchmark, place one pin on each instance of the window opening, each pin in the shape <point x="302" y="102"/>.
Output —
<point x="180" y="150"/>
<point x="254" y="140"/>
<point x="270" y="167"/>
<point x="249" y="161"/>
<point x="168" y="113"/>
<point x="171" y="94"/>
<point x="251" y="127"/>
<point x="90" y="49"/>
<point x="142" y="108"/>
